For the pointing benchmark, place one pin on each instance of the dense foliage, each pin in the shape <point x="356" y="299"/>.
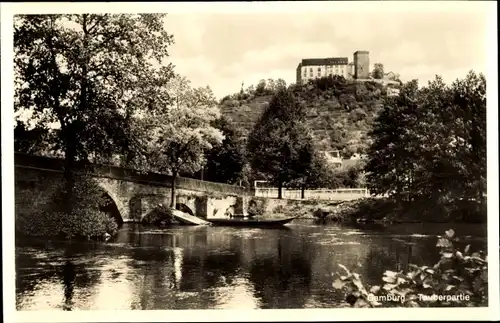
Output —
<point x="350" y="175"/>
<point x="378" y="71"/>
<point x="226" y="162"/>
<point x="429" y="144"/>
<point x="459" y="279"/>
<point x="32" y="140"/>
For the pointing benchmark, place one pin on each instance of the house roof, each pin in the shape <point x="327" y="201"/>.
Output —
<point x="325" y="61"/>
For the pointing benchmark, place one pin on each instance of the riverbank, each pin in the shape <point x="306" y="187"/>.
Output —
<point x="380" y="210"/>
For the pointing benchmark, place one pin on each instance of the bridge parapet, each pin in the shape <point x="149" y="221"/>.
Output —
<point x="128" y="174"/>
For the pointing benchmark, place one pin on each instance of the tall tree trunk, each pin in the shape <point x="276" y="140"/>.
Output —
<point x="69" y="178"/>
<point x="172" y="190"/>
<point x="71" y="132"/>
<point x="280" y="190"/>
<point x="302" y="192"/>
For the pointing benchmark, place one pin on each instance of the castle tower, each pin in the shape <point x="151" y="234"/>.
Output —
<point x="361" y="64"/>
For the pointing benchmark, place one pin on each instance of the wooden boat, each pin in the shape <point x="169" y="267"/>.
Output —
<point x="243" y="222"/>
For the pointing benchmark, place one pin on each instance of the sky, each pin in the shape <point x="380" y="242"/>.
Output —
<point x="224" y="50"/>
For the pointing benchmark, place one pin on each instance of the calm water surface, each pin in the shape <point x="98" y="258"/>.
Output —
<point x="218" y="267"/>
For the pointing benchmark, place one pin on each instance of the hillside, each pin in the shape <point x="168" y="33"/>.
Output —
<point x="340" y="112"/>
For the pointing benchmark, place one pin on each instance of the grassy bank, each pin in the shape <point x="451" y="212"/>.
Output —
<point x="384" y="210"/>
<point x="80" y="224"/>
<point x="380" y="210"/>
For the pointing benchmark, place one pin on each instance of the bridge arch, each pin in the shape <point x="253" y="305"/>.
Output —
<point x="113" y="205"/>
<point x="111" y="208"/>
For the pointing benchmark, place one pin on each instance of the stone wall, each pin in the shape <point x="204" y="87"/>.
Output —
<point x="135" y="199"/>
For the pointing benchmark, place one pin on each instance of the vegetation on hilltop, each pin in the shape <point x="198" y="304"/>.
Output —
<point x="339" y="112"/>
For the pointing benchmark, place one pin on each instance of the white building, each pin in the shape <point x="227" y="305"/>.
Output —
<point x="313" y="68"/>
<point x="333" y="157"/>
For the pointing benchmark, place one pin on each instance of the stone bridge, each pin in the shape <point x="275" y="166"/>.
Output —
<point x="135" y="194"/>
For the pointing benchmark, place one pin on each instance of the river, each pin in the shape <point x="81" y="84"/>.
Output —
<point x="189" y="267"/>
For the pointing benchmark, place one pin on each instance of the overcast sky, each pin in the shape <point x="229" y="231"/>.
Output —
<point x="223" y="50"/>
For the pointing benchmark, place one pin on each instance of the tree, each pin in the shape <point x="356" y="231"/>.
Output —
<point x="260" y="89"/>
<point x="280" y="84"/>
<point x="280" y="143"/>
<point x="469" y="98"/>
<point x="88" y="73"/>
<point x="225" y="162"/>
<point x="351" y="176"/>
<point x="389" y="165"/>
<point x="431" y="143"/>
<point x="339" y="136"/>
<point x="31" y="141"/>
<point x="317" y="173"/>
<point x="177" y="139"/>
<point x="378" y="71"/>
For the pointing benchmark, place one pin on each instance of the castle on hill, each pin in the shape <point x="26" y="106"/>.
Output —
<point x="359" y="69"/>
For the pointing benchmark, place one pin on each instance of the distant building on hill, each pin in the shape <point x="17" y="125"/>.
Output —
<point x="313" y="68"/>
<point x="361" y="64"/>
<point x="392" y="91"/>
<point x="391" y="76"/>
<point x="333" y="157"/>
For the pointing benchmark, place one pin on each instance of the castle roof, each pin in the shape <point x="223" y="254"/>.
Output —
<point x="324" y="61"/>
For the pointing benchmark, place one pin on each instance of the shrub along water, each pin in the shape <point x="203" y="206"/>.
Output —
<point x="42" y="215"/>
<point x="459" y="279"/>
<point x="159" y="216"/>
<point x="389" y="210"/>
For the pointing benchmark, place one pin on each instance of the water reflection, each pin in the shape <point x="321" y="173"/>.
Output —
<point x="213" y="267"/>
<point x="69" y="275"/>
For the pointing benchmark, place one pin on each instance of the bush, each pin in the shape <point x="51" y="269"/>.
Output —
<point x="90" y="224"/>
<point x="320" y="214"/>
<point x="460" y="278"/>
<point x="161" y="214"/>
